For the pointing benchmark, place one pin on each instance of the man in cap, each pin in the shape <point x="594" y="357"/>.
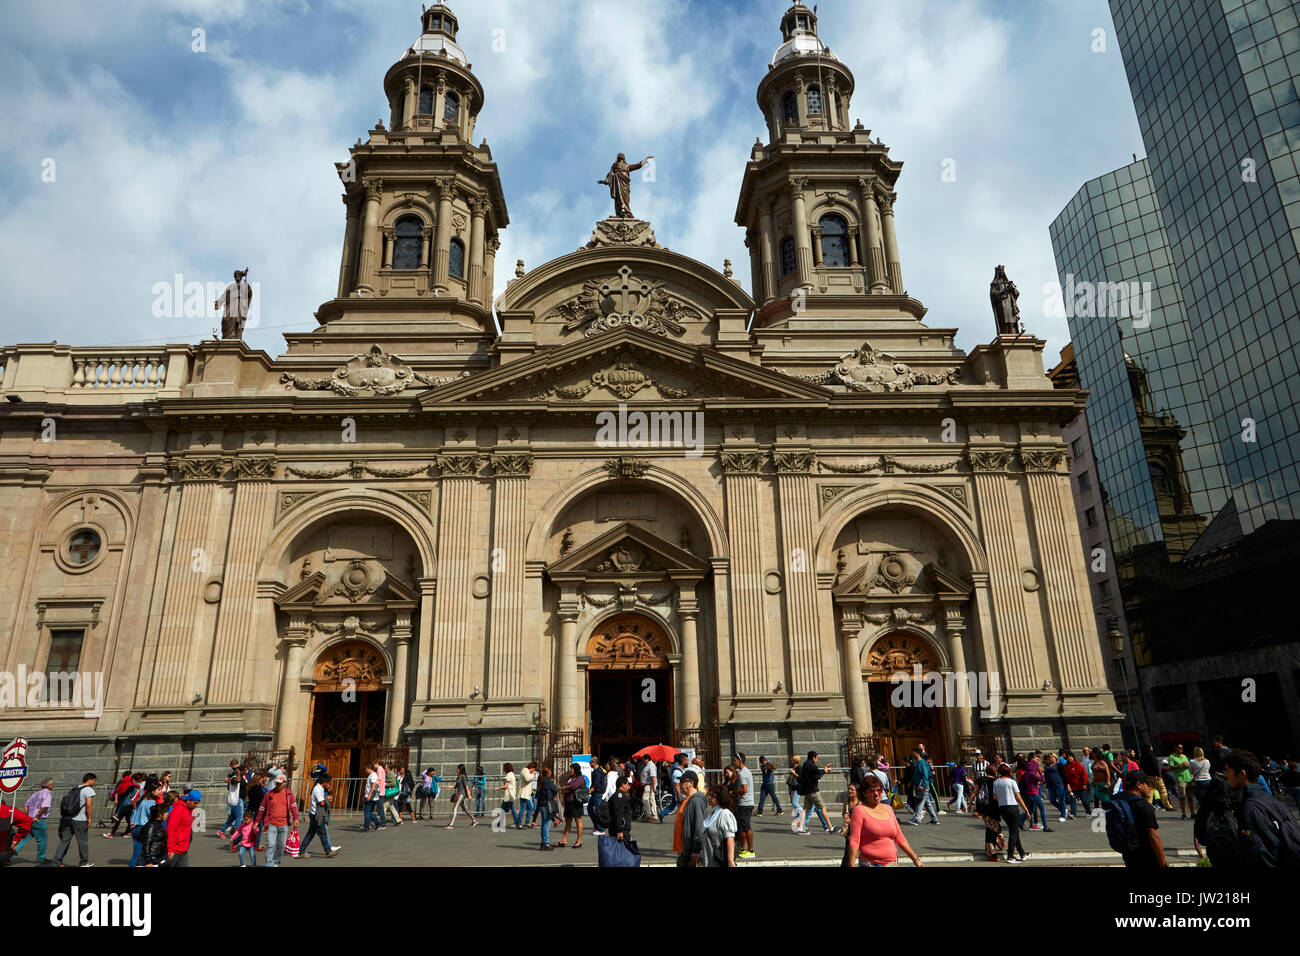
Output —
<point x="1145" y="850"/>
<point x="180" y="827"/>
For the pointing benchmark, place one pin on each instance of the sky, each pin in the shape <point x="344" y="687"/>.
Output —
<point x="147" y="141"/>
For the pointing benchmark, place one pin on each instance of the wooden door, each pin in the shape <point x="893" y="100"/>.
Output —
<point x="900" y="729"/>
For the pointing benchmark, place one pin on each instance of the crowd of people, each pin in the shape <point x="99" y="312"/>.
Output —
<point x="1230" y="794"/>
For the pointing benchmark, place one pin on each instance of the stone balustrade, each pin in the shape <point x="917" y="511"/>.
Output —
<point x="62" y="373"/>
<point x="117" y="370"/>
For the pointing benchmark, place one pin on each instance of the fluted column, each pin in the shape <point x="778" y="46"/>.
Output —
<point x="411" y="104"/>
<point x="566" y="665"/>
<point x="426" y="234"/>
<point x="390" y="240"/>
<point x="1073" y="634"/>
<point x="349" y="246"/>
<point x="688" y="611"/>
<point x="477" y="210"/>
<point x="511" y="472"/>
<point x="872" y="252"/>
<point x="802" y="242"/>
<point x="891" y="244"/>
<point x="370" y="236"/>
<point x="851" y="629"/>
<point x="745" y="520"/>
<point x="442" y="246"/>
<point x="457" y="521"/>
<point x="767" y="246"/>
<point x="396" y="716"/>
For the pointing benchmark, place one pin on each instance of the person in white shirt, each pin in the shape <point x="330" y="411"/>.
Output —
<point x="373" y="800"/>
<point x="649" y="782"/>
<point x="319" y="810"/>
<point x="527" y="781"/>
<point x="1010" y="805"/>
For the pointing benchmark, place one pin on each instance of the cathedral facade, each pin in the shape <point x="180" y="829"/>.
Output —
<point x="627" y="502"/>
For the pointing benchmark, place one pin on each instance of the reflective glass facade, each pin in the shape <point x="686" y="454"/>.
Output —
<point x="1215" y="86"/>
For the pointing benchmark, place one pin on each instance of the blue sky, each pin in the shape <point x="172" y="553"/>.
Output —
<point x="169" y="161"/>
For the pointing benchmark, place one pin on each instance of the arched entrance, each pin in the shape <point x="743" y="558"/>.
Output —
<point x="629" y="685"/>
<point x="347" y="708"/>
<point x="900" y="718"/>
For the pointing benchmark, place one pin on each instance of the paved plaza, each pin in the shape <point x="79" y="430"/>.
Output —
<point x="956" y="841"/>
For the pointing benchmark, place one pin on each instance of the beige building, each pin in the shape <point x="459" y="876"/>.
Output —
<point x="625" y="500"/>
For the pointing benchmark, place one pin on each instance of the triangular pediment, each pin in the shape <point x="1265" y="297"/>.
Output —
<point x="626" y="549"/>
<point x="304" y="592"/>
<point x="376" y="587"/>
<point x="947" y="584"/>
<point x="625" y="365"/>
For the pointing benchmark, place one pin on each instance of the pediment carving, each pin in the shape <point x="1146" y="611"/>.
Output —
<point x="371" y="373"/>
<point x="869" y="370"/>
<point x="625" y="300"/>
<point x="624" y="379"/>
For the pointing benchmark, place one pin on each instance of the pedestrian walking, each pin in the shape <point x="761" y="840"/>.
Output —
<point x="140" y="816"/>
<point x="480" y="791"/>
<point x="277" y="814"/>
<point x="246" y="837"/>
<point x="768" y="790"/>
<point x="460" y="798"/>
<point x="76" y="809"/>
<point x="511" y="789"/>
<point x="959" y="783"/>
<point x="1076" y="780"/>
<point x="874" y="834"/>
<point x="979" y="766"/>
<point x="1010" y="807"/>
<point x="38" y="807"/>
<point x="527" y="801"/>
<point x="1057" y="792"/>
<point x="318" y="813"/>
<point x="922" y="775"/>
<point x="1150" y="764"/>
<point x="850" y="801"/>
<point x="392" y="788"/>
<point x="236" y="795"/>
<point x="1102" y="778"/>
<point x="1201" y="775"/>
<point x="649" y="791"/>
<point x="15" y="827"/>
<point x="546" y="794"/>
<point x="792" y="785"/>
<point x="1268" y="836"/>
<point x="675" y="785"/>
<point x="576" y="794"/>
<point x="720" y="828"/>
<point x="810" y="774"/>
<point x="1131" y="825"/>
<point x="372" y="800"/>
<point x="180" y="828"/>
<point x="744" y="808"/>
<point x="429" y="798"/>
<point x="1032" y="783"/>
<point x="153" y="838"/>
<point x="690" y="823"/>
<point x="406" y="789"/>
<point x="986" y="805"/>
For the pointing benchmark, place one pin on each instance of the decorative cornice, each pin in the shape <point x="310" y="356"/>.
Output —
<point x="887" y="465"/>
<point x="511" y="464"/>
<point x="869" y="370"/>
<point x="627" y="467"/>
<point x="375" y="372"/>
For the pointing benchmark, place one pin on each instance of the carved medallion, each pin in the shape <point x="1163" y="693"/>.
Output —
<point x="869" y="370"/>
<point x="373" y="373"/>
<point x="625" y="301"/>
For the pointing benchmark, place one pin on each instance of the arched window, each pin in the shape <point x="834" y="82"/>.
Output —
<point x="456" y="259"/>
<point x="426" y="100"/>
<point x="790" y="105"/>
<point x="814" y="101"/>
<point x="835" y="242"/>
<point x="451" y="107"/>
<point x="787" y="256"/>
<point x="406" y="244"/>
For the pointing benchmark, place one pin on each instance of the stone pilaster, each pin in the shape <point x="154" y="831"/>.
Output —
<point x="745" y="520"/>
<point x="798" y="550"/>
<point x="1010" y="620"/>
<point x="396" y="716"/>
<point x="799" y="223"/>
<point x="955" y="628"/>
<point x="854" y="688"/>
<point x="1073" y="636"/>
<point x="511" y="471"/>
<point x="566" y="664"/>
<point x="891" y="244"/>
<point x="249" y="522"/>
<point x="291" y="722"/>
<point x="454" y="610"/>
<point x="877" y="281"/>
<point x="349" y="246"/>
<point x="477" y="210"/>
<point x="370" y="236"/>
<point x="688" y="612"/>
<point x="442" y="246"/>
<point x="767" y="246"/>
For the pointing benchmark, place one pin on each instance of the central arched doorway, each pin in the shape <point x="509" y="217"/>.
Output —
<point x="899" y="717"/>
<point x="347" y="708"/>
<point x="629" y="685"/>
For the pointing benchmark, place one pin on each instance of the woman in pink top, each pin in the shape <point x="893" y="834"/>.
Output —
<point x="874" y="834"/>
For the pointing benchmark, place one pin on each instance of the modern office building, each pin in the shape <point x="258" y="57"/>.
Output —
<point x="1201" y="585"/>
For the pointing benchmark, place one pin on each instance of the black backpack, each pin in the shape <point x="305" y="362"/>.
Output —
<point x="603" y="817"/>
<point x="70" y="805"/>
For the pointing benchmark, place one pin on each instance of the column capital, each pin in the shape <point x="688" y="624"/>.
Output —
<point x="374" y="188"/>
<point x="478" y="207"/>
<point x="511" y="464"/>
<point x="446" y="187"/>
<point x="569" y="610"/>
<point x="988" y="460"/>
<point x="494" y="245"/>
<point x="763" y="202"/>
<point x="793" y="462"/>
<point x="1045" y="460"/>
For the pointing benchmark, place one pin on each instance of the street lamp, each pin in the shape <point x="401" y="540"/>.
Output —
<point x="1116" y="638"/>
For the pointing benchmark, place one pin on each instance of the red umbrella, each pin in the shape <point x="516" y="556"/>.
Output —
<point x="658" y="752"/>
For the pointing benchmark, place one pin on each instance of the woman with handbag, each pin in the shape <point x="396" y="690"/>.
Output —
<point x="576" y="794"/>
<point x="460" y="799"/>
<point x="511" y="789"/>
<point x="546" y="792"/>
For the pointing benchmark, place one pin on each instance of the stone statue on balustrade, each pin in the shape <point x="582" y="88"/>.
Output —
<point x="1003" y="294"/>
<point x="234" y="304"/>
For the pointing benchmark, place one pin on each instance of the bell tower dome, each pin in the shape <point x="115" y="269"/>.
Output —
<point x="817" y="201"/>
<point x="424" y="204"/>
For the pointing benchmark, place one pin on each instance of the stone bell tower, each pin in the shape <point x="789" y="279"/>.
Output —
<point x="424" y="204"/>
<point x="817" y="202"/>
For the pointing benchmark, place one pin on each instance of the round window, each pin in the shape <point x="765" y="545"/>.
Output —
<point x="83" y="547"/>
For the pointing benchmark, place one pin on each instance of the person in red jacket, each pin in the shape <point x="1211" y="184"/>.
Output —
<point x="14" y="827"/>
<point x="1076" y="778"/>
<point x="180" y="826"/>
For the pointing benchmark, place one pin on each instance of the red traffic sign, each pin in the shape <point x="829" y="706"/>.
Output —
<point x="13" y="765"/>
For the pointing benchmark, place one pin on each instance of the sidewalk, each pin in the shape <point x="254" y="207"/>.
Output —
<point x="956" y="841"/>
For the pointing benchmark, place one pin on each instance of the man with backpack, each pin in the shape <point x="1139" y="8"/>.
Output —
<point x="922" y="775"/>
<point x="75" y="810"/>
<point x="1267" y="835"/>
<point x="1131" y="826"/>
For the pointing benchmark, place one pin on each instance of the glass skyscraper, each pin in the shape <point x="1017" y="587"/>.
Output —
<point x="1181" y="279"/>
